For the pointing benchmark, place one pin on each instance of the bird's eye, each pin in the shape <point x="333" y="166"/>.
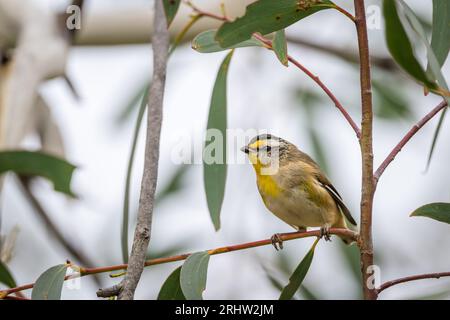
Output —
<point x="267" y="148"/>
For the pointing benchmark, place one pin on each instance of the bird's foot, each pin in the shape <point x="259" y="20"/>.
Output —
<point x="325" y="233"/>
<point x="277" y="242"/>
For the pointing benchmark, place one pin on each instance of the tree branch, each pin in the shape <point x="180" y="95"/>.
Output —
<point x="391" y="283"/>
<point x="160" y="44"/>
<point x="368" y="186"/>
<point x="243" y="246"/>
<point x="406" y="139"/>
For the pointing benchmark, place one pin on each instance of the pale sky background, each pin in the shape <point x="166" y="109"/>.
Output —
<point x="260" y="93"/>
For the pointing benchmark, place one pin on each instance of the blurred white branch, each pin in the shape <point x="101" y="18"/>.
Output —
<point x="134" y="25"/>
<point x="40" y="54"/>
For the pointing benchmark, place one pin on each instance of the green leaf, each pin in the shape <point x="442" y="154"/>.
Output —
<point x="436" y="136"/>
<point x="171" y="8"/>
<point x="6" y="277"/>
<point x="205" y="42"/>
<point x="400" y="45"/>
<point x="132" y="104"/>
<point x="171" y="289"/>
<point x="126" y="200"/>
<point x="389" y="102"/>
<point x="214" y="162"/>
<point x="267" y="16"/>
<point x="280" y="47"/>
<point x="174" y="185"/>
<point x="435" y="67"/>
<point x="306" y="292"/>
<point x="28" y="163"/>
<point x="193" y="275"/>
<point x="299" y="274"/>
<point x="440" y="40"/>
<point x="49" y="284"/>
<point x="433" y="64"/>
<point x="318" y="149"/>
<point x="437" y="211"/>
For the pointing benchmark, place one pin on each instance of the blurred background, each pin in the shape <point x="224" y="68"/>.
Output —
<point x="94" y="103"/>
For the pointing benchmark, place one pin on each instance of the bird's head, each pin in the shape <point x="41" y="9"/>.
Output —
<point x="266" y="150"/>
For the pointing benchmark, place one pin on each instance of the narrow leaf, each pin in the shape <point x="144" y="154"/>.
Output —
<point x="433" y="64"/>
<point x="437" y="211"/>
<point x="280" y="47"/>
<point x="436" y="136"/>
<point x="389" y="101"/>
<point x="49" y="284"/>
<point x="132" y="104"/>
<point x="29" y="163"/>
<point x="174" y="185"/>
<point x="6" y="277"/>
<point x="193" y="275"/>
<point x="440" y="40"/>
<point x="171" y="289"/>
<point x="299" y="274"/>
<point x="205" y="42"/>
<point x="215" y="153"/>
<point x="435" y="67"/>
<point x="267" y="16"/>
<point x="171" y="8"/>
<point x="126" y="200"/>
<point x="400" y="46"/>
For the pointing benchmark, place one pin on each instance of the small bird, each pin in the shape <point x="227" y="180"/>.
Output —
<point x="294" y="188"/>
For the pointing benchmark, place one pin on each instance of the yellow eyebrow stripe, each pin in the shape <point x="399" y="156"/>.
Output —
<point x="258" y="144"/>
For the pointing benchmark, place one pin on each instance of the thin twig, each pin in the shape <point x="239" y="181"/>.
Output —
<point x="315" y="78"/>
<point x="344" y="12"/>
<point x="367" y="185"/>
<point x="391" y="283"/>
<point x="142" y="235"/>
<point x="406" y="139"/>
<point x="243" y="246"/>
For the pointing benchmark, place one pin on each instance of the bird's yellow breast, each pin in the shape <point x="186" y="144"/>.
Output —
<point x="268" y="186"/>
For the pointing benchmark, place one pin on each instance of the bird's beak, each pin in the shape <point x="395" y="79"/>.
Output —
<point x="245" y="149"/>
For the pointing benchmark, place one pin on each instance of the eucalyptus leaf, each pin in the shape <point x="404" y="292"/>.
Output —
<point x="171" y="9"/>
<point x="126" y="200"/>
<point x="205" y="42"/>
<point x="6" y="277"/>
<point x="49" y="284"/>
<point x="193" y="275"/>
<point x="174" y="185"/>
<point x="267" y="16"/>
<point x="433" y="64"/>
<point x="279" y="45"/>
<point x="215" y="153"/>
<point x="30" y="163"/>
<point x="296" y="279"/>
<point x="440" y="40"/>
<point x="171" y="289"/>
<point x="438" y="211"/>
<point x="400" y="45"/>
<point x="389" y="101"/>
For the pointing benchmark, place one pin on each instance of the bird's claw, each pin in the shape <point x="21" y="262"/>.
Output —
<point x="277" y="242"/>
<point x="325" y="233"/>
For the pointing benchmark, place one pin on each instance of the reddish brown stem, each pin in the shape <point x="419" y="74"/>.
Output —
<point x="243" y="246"/>
<point x="391" y="283"/>
<point x="367" y="185"/>
<point x="406" y="139"/>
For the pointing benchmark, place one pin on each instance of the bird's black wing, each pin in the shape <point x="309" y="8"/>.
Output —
<point x="337" y="198"/>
